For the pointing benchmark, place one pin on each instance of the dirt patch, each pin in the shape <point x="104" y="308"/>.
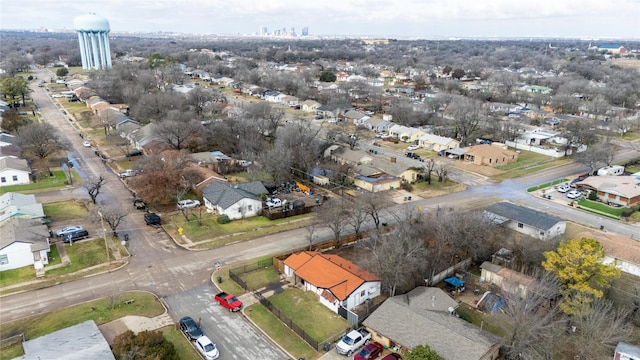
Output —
<point x="627" y="63"/>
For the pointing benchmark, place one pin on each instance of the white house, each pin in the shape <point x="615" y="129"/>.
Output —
<point x="23" y="242"/>
<point x="14" y="171"/>
<point x="338" y="282"/>
<point x="236" y="202"/>
<point x="19" y="205"/>
<point x="527" y="221"/>
<point x="437" y="143"/>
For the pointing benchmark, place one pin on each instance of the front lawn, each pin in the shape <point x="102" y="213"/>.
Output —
<point x="600" y="207"/>
<point x="546" y="185"/>
<point x="306" y="311"/>
<point x="183" y="348"/>
<point x="82" y="255"/>
<point x="58" y="180"/>
<point x="258" y="279"/>
<point x="528" y="162"/>
<point x="63" y="211"/>
<point x="14" y="276"/>
<point x="280" y="333"/>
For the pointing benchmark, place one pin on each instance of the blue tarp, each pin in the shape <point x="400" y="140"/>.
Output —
<point x="454" y="281"/>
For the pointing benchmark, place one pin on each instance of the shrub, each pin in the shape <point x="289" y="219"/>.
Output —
<point x="593" y="196"/>
<point x="223" y="219"/>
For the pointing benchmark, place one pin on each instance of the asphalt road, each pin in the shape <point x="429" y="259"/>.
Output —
<point x="235" y="337"/>
<point x="159" y="266"/>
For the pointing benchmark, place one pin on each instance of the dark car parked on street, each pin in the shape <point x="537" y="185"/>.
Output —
<point x="190" y="328"/>
<point x="75" y="235"/>
<point x="152" y="219"/>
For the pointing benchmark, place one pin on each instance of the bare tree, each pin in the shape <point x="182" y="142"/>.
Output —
<point x="266" y="117"/>
<point x="332" y="215"/>
<point x="594" y="156"/>
<point x="112" y="215"/>
<point x="40" y="141"/>
<point x="428" y="168"/>
<point x="442" y="170"/>
<point x="356" y="215"/>
<point x="94" y="185"/>
<point x="373" y="205"/>
<point x="396" y="256"/>
<point x="531" y="321"/>
<point x="176" y="133"/>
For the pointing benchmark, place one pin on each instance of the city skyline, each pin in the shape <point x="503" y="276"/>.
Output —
<point x="592" y="19"/>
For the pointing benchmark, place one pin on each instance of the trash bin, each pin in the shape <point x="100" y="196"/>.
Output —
<point x="219" y="278"/>
<point x="326" y="347"/>
<point x="601" y="227"/>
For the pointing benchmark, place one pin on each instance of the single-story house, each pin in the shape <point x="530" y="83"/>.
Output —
<point x="437" y="143"/>
<point x="619" y="250"/>
<point x="143" y="135"/>
<point x="14" y="171"/>
<point x="20" y="205"/>
<point x="374" y="180"/>
<point x="237" y="202"/>
<point x="405" y="133"/>
<point x="490" y="154"/>
<point x="626" y="351"/>
<point x="425" y="316"/>
<point x="527" y="221"/>
<point x="510" y="281"/>
<point x="621" y="190"/>
<point x="23" y="242"/>
<point x="333" y="111"/>
<point x="338" y="282"/>
<point x="81" y="341"/>
<point x="310" y="105"/>
<point x="377" y="124"/>
<point x="355" y="117"/>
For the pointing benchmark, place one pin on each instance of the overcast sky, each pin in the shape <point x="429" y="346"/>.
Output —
<point x="388" y="18"/>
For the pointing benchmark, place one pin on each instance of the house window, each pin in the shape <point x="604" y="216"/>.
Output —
<point x="520" y="225"/>
<point x="4" y="260"/>
<point x="250" y="207"/>
<point x="15" y="178"/>
<point x="362" y="293"/>
<point x="541" y="233"/>
<point x="3" y="179"/>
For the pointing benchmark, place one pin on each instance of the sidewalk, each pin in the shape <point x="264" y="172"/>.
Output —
<point x="134" y="323"/>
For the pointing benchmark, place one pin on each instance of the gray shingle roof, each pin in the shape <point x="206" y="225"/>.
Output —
<point x="82" y="341"/>
<point x="25" y="230"/>
<point x="224" y="195"/>
<point x="14" y="163"/>
<point x="413" y="323"/>
<point x="524" y="215"/>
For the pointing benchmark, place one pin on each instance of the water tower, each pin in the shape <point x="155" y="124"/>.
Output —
<point x="93" y="36"/>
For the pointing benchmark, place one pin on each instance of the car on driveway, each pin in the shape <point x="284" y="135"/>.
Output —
<point x="67" y="230"/>
<point x="563" y="188"/>
<point x="274" y="203"/>
<point x="413" y="147"/>
<point x="574" y="194"/>
<point x="75" y="235"/>
<point x="188" y="204"/>
<point x="190" y="328"/>
<point x="207" y="348"/>
<point x="86" y="143"/>
<point x="369" y="352"/>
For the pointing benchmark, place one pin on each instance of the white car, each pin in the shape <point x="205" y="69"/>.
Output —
<point x="563" y="188"/>
<point x="207" y="348"/>
<point x="188" y="204"/>
<point x="413" y="147"/>
<point x="574" y="194"/>
<point x="274" y="203"/>
<point x="57" y="96"/>
<point x="86" y="143"/>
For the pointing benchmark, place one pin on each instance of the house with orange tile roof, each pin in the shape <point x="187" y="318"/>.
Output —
<point x="337" y="281"/>
<point x="490" y="154"/>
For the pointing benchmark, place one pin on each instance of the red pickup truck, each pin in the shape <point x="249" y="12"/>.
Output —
<point x="229" y="301"/>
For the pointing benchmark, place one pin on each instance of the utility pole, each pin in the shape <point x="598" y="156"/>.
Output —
<point x="104" y="235"/>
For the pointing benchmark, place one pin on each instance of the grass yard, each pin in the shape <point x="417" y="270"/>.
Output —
<point x="101" y="311"/>
<point x="600" y="208"/>
<point x="67" y="210"/>
<point x="528" y="162"/>
<point x="488" y="322"/>
<point x="304" y="309"/>
<point x="15" y="276"/>
<point x="58" y="180"/>
<point x="184" y="349"/>
<point x="236" y="230"/>
<point x="260" y="278"/>
<point x="82" y="254"/>
<point x="280" y="333"/>
<point x="546" y="185"/>
<point x="423" y="186"/>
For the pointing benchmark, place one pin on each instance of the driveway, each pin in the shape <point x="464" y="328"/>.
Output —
<point x="236" y="337"/>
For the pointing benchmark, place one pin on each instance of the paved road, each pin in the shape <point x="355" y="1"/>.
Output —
<point x="161" y="267"/>
<point x="235" y="338"/>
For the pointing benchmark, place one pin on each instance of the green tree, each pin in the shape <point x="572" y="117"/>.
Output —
<point x="146" y="345"/>
<point x="15" y="86"/>
<point x="62" y="71"/>
<point x="422" y="352"/>
<point x="578" y="264"/>
<point x="327" y="76"/>
<point x="12" y="121"/>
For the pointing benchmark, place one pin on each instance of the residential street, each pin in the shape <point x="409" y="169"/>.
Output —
<point x="159" y="266"/>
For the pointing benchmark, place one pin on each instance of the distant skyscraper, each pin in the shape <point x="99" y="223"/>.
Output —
<point x="293" y="31"/>
<point x="305" y="31"/>
<point x="93" y="36"/>
<point x="263" y="30"/>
